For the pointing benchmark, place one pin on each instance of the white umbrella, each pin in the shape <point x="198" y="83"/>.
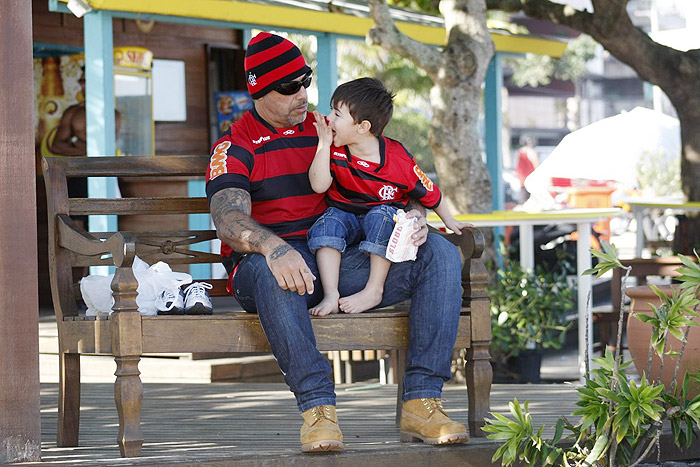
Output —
<point x="610" y="149"/>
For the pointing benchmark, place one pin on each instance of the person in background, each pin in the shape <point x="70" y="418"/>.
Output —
<point x="70" y="140"/>
<point x="527" y="162"/>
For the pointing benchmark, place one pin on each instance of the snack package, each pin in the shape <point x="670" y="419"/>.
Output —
<point x="401" y="247"/>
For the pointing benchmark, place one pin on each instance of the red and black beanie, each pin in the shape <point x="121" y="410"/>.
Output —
<point x="271" y="60"/>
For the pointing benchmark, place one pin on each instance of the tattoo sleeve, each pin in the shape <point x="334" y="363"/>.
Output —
<point x="230" y="210"/>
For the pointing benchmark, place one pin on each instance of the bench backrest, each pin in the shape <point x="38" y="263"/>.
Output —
<point x="175" y="247"/>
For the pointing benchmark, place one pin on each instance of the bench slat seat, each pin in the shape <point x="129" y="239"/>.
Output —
<point x="171" y="334"/>
<point x="127" y="335"/>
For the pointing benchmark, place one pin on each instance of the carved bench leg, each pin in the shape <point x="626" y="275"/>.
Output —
<point x="128" y="389"/>
<point x="68" y="400"/>
<point x="479" y="378"/>
<point x="128" y="395"/>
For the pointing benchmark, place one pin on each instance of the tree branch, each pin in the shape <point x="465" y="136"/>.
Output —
<point x="610" y="25"/>
<point x="385" y="33"/>
<point x="548" y="11"/>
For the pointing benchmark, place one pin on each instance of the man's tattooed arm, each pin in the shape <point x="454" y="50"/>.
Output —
<point x="230" y="210"/>
<point x="279" y="251"/>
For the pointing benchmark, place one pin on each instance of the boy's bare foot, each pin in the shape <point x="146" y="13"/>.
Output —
<point x="328" y="305"/>
<point x="363" y="300"/>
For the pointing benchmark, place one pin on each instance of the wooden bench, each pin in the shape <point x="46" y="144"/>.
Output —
<point x="127" y="335"/>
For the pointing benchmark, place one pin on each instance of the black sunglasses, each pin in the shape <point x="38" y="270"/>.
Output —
<point x="292" y="87"/>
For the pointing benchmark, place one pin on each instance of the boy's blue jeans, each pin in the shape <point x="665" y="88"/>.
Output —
<point x="337" y="229"/>
<point x="431" y="282"/>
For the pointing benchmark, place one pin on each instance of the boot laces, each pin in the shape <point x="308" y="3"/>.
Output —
<point x="433" y="404"/>
<point x="320" y="412"/>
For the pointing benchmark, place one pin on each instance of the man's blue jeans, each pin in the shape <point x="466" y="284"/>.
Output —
<point x="337" y="229"/>
<point x="431" y="282"/>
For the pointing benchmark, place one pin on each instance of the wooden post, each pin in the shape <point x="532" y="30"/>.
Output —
<point x="20" y="419"/>
<point x="493" y="125"/>
<point x="327" y="69"/>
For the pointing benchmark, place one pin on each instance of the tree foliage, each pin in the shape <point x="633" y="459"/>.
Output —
<point x="537" y="70"/>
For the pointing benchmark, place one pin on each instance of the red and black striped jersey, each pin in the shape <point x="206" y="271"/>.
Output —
<point x="271" y="164"/>
<point x="359" y="185"/>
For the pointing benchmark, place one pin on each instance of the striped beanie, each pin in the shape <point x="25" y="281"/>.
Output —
<point x="271" y="60"/>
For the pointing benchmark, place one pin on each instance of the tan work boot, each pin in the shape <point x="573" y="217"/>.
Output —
<point x="320" y="431"/>
<point x="425" y="420"/>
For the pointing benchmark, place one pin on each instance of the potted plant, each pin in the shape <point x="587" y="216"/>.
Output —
<point x="528" y="313"/>
<point x="621" y="419"/>
<point x="646" y="321"/>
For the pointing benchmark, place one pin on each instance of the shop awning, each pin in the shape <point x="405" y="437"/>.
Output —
<point x="344" y="17"/>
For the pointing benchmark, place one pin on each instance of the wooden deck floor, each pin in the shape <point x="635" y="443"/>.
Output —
<point x="258" y="425"/>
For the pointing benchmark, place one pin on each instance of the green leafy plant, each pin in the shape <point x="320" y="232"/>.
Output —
<point x="620" y="419"/>
<point x="528" y="310"/>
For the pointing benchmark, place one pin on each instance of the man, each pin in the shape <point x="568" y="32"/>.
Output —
<point x="262" y="205"/>
<point x="70" y="139"/>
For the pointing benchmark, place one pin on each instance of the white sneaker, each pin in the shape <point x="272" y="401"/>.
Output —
<point x="197" y="301"/>
<point x="169" y="302"/>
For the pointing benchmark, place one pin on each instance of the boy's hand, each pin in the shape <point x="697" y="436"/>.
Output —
<point x="325" y="133"/>
<point x="456" y="226"/>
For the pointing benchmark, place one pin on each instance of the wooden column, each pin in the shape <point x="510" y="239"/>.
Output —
<point x="327" y="69"/>
<point x="100" y="122"/>
<point x="20" y="422"/>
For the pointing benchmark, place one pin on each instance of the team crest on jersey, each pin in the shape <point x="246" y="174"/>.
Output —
<point x="424" y="179"/>
<point x="363" y="164"/>
<point x="288" y="132"/>
<point x="261" y="139"/>
<point x="252" y="79"/>
<point x="387" y="192"/>
<point x="217" y="163"/>
<point x="339" y="154"/>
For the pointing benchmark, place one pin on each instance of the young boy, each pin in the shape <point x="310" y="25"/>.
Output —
<point x="366" y="178"/>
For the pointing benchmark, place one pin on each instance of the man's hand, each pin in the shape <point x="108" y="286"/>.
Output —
<point x="421" y="234"/>
<point x="290" y="269"/>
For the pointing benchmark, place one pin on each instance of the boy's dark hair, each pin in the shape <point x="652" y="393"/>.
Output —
<point x="366" y="99"/>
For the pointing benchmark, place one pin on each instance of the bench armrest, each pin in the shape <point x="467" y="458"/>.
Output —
<point x="471" y="242"/>
<point x="471" y="246"/>
<point x="122" y="247"/>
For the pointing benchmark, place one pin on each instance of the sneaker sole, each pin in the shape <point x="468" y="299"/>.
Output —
<point x="174" y="311"/>
<point x="455" y="438"/>
<point x="326" y="445"/>
<point x="199" y="309"/>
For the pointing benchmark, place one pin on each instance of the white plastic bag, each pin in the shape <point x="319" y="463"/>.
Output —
<point x="401" y="247"/>
<point x="97" y="293"/>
